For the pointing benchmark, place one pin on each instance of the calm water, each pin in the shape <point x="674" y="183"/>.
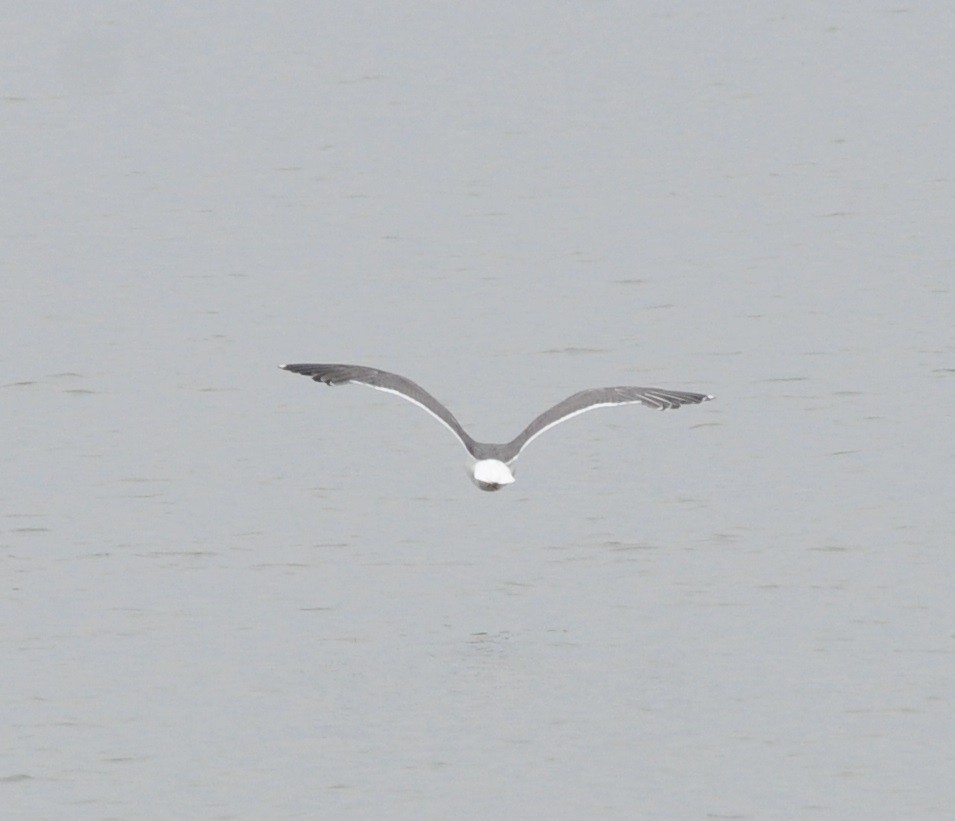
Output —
<point x="231" y="593"/>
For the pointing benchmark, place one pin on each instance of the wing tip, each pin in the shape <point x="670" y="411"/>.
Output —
<point x="294" y="367"/>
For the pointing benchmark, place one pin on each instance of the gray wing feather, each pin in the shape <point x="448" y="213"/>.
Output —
<point x="389" y="382"/>
<point x="656" y="398"/>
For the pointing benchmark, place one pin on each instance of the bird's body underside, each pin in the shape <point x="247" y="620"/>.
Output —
<point x="492" y="468"/>
<point x="490" y="474"/>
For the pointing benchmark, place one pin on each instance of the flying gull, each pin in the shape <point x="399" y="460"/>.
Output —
<point x="492" y="467"/>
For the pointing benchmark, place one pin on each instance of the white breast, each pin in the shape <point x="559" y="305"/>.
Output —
<point x="490" y="474"/>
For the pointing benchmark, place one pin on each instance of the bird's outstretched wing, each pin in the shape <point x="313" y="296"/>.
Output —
<point x="390" y="383"/>
<point x="656" y="398"/>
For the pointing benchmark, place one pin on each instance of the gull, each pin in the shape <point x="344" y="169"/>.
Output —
<point x="492" y="465"/>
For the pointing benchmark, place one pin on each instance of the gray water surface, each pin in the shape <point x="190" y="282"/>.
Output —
<point x="232" y="593"/>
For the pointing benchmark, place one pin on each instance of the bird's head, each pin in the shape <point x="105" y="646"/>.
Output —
<point x="491" y="474"/>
